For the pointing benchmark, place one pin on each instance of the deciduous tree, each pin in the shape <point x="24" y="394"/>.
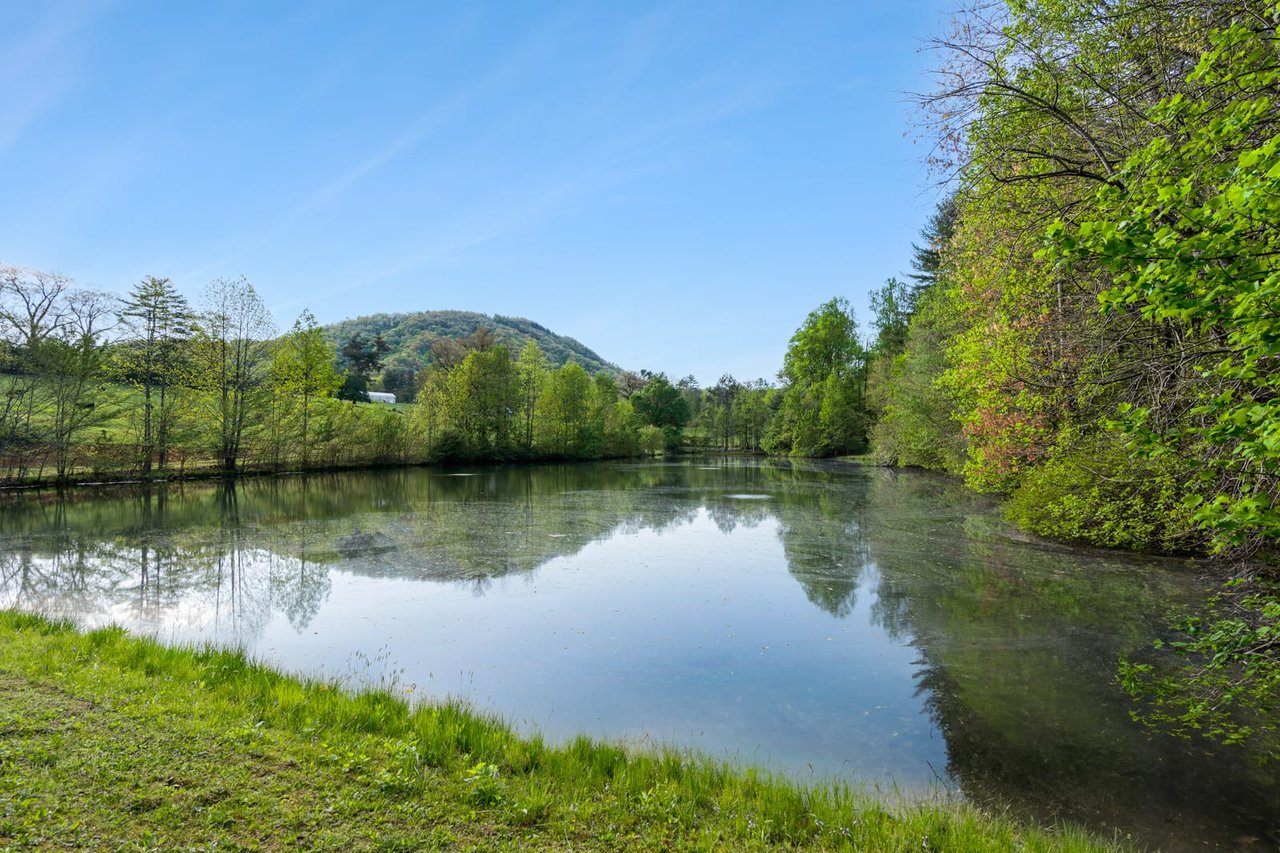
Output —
<point x="303" y="368"/>
<point x="229" y="359"/>
<point x="822" y="411"/>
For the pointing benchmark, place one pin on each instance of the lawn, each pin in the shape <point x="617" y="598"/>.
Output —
<point x="110" y="741"/>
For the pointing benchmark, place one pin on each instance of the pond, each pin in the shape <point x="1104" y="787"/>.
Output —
<point x="824" y="620"/>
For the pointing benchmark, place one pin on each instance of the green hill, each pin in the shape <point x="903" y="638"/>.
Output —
<point x="410" y="336"/>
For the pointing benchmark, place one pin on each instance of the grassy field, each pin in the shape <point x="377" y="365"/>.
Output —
<point x="106" y="445"/>
<point x="113" y="742"/>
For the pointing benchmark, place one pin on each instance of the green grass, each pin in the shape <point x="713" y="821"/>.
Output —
<point x="110" y="741"/>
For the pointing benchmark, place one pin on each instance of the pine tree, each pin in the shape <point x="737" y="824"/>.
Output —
<point x="161" y="321"/>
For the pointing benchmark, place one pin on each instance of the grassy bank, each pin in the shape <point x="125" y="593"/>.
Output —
<point x="108" y="741"/>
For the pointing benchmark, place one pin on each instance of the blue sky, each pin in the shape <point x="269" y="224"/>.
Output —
<point x="676" y="185"/>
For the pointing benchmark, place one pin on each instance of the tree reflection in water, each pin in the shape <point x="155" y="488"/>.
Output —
<point x="1017" y="641"/>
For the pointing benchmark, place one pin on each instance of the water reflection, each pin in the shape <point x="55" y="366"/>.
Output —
<point x="90" y="553"/>
<point x="1019" y="648"/>
<point x="821" y="618"/>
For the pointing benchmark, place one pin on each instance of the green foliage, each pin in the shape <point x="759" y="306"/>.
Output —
<point x="155" y="361"/>
<point x="303" y="369"/>
<point x="364" y="356"/>
<point x="892" y="305"/>
<point x="1223" y="681"/>
<point x="400" y="379"/>
<point x="660" y="404"/>
<point x="652" y="440"/>
<point x="54" y="351"/>
<point x="917" y="424"/>
<point x="360" y="358"/>
<point x="928" y="260"/>
<point x="214" y="393"/>
<point x="1093" y="491"/>
<point x="826" y="344"/>
<point x="1163" y="195"/>
<point x="732" y="415"/>
<point x="491" y="406"/>
<point x="1145" y="138"/>
<point x="1187" y="233"/>
<point x="410" y="336"/>
<point x="531" y="368"/>
<point x="913" y="412"/>
<point x="1167" y="224"/>
<point x="228" y="359"/>
<point x="483" y="395"/>
<point x="565" y="424"/>
<point x="822" y="412"/>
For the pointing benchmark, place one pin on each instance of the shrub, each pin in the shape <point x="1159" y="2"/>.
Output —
<point x="1093" y="491"/>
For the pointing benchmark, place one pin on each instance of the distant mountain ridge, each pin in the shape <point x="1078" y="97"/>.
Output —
<point x="409" y="335"/>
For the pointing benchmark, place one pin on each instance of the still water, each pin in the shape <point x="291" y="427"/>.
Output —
<point x="823" y="620"/>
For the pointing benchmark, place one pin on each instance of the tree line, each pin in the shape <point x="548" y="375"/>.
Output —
<point x="1092" y="329"/>
<point x="150" y="385"/>
<point x="1094" y="325"/>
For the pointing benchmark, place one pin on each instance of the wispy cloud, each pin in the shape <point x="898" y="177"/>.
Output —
<point x="39" y="62"/>
<point x="613" y="162"/>
<point x="437" y="118"/>
<point x="604" y="137"/>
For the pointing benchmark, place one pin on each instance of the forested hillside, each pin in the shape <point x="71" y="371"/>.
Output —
<point x="410" y="336"/>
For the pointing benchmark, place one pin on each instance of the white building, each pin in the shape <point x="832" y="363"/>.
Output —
<point x="381" y="397"/>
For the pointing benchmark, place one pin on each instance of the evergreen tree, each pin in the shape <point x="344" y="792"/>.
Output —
<point x="161" y="324"/>
<point x="927" y="259"/>
<point x="361" y="357"/>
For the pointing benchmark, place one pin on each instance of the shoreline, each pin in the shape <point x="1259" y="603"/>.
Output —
<point x="114" y="740"/>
